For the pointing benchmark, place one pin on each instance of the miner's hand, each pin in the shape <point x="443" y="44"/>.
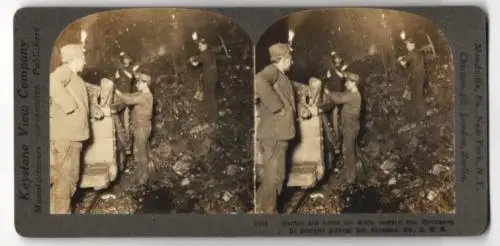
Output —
<point x="98" y="114"/>
<point x="193" y="61"/>
<point x="305" y="113"/>
<point x="323" y="106"/>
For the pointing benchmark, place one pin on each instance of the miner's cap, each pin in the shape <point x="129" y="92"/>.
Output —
<point x="124" y="56"/>
<point x="279" y="50"/>
<point x="409" y="40"/>
<point x="144" y="78"/>
<point x="202" y="41"/>
<point x="335" y="55"/>
<point x="70" y="52"/>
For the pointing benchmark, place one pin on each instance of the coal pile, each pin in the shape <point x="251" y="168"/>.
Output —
<point x="199" y="168"/>
<point x="209" y="168"/>
<point x="410" y="163"/>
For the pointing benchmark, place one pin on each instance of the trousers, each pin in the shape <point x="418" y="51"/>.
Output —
<point x="64" y="174"/>
<point x="142" y="132"/>
<point x="210" y="79"/>
<point x="274" y="165"/>
<point x="349" y="136"/>
<point x="122" y="125"/>
<point x="417" y="96"/>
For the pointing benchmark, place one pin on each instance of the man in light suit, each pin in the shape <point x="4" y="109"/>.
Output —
<point x="277" y="111"/>
<point x="69" y="126"/>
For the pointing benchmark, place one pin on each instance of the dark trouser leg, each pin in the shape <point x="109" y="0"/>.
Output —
<point x="211" y="106"/>
<point x="329" y="143"/>
<point x="210" y="79"/>
<point x="349" y="152"/>
<point x="141" y="145"/>
<point x="123" y="129"/>
<point x="126" y="126"/>
<point x="65" y="171"/>
<point x="274" y="161"/>
<point x="122" y="141"/>
<point x="417" y="97"/>
<point x="336" y="129"/>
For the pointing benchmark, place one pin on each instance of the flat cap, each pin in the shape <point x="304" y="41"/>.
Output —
<point x="72" y="51"/>
<point x="202" y="41"/>
<point x="279" y="50"/>
<point x="124" y="56"/>
<point x="351" y="76"/>
<point x="409" y="40"/>
<point x="144" y="78"/>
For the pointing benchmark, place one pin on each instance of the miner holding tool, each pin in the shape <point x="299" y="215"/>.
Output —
<point x="142" y="111"/>
<point x="69" y="126"/>
<point x="415" y="64"/>
<point x="335" y="83"/>
<point x="124" y="79"/>
<point x="417" y="78"/>
<point x="277" y="111"/>
<point x="206" y="87"/>
<point x="351" y="101"/>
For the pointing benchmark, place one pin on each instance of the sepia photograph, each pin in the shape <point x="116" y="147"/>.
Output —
<point x="354" y="114"/>
<point x="151" y="111"/>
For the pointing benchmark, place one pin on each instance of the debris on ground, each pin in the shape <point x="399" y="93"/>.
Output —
<point x="193" y="159"/>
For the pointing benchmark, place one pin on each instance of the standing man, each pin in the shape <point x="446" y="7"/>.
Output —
<point x="142" y="112"/>
<point x="335" y="83"/>
<point x="277" y="111"/>
<point x="351" y="101"/>
<point x="417" y="79"/>
<point x="125" y="74"/>
<point x="69" y="126"/>
<point x="124" y="80"/>
<point x="206" y="89"/>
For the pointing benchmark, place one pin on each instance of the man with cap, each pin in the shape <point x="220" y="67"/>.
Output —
<point x="277" y="111"/>
<point x="124" y="79"/>
<point x="351" y="102"/>
<point x="206" y="88"/>
<point x="125" y="74"/>
<point x="142" y="112"/>
<point x="69" y="126"/>
<point x="335" y="83"/>
<point x="416" y="66"/>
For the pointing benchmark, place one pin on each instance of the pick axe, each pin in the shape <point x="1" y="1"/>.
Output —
<point x="195" y="37"/>
<point x="224" y="47"/>
<point x="429" y="47"/>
